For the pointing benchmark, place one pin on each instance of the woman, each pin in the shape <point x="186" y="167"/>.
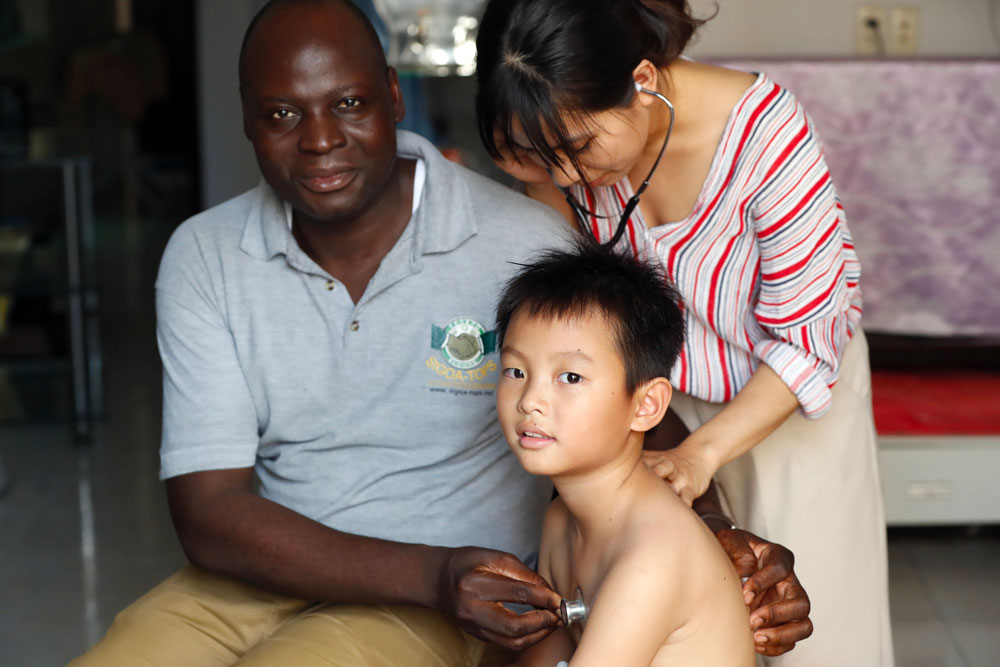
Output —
<point x="589" y="104"/>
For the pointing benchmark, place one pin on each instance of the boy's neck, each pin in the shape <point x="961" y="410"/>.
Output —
<point x="598" y="499"/>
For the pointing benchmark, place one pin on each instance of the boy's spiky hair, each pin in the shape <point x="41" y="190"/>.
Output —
<point x="638" y="302"/>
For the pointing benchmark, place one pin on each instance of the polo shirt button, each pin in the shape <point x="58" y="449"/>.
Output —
<point x="330" y="285"/>
<point x="355" y="325"/>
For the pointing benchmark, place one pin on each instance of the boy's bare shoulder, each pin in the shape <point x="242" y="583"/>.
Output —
<point x="662" y="583"/>
<point x="679" y="554"/>
<point x="665" y="521"/>
<point x="678" y="586"/>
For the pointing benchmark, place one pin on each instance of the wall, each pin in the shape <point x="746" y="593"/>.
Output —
<point x="228" y="166"/>
<point x="825" y="28"/>
<point x="813" y="28"/>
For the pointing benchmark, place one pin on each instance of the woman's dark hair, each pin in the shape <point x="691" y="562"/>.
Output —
<point x="636" y="299"/>
<point x="538" y="59"/>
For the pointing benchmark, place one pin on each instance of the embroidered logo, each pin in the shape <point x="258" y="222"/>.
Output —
<point x="463" y="342"/>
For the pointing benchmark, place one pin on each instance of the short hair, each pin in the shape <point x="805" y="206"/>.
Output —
<point x="634" y="296"/>
<point x="272" y="4"/>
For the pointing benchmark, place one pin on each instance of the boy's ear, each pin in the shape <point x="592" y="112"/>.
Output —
<point x="653" y="398"/>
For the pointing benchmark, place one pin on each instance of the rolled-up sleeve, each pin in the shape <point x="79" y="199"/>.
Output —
<point x="810" y="299"/>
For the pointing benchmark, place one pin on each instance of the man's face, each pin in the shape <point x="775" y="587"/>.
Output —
<point x="561" y="397"/>
<point x="320" y="110"/>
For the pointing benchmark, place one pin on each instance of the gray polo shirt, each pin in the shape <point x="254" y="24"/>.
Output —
<point x="376" y="418"/>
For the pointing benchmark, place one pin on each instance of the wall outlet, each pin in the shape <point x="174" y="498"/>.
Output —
<point x="904" y="31"/>
<point x="870" y="30"/>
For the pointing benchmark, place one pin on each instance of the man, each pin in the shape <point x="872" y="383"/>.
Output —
<point x="329" y="426"/>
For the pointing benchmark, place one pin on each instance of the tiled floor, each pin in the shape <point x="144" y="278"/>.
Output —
<point x="945" y="594"/>
<point x="84" y="529"/>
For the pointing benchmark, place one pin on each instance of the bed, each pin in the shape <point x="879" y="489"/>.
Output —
<point x="914" y="150"/>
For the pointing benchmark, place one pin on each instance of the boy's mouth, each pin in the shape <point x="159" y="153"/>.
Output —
<point x="530" y="436"/>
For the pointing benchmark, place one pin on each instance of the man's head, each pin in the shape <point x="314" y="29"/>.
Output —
<point x="587" y="340"/>
<point x="320" y="106"/>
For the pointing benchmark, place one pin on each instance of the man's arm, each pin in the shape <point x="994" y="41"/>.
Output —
<point x="779" y="606"/>
<point x="224" y="527"/>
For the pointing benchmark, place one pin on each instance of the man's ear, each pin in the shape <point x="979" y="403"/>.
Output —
<point x="398" y="104"/>
<point x="651" y="401"/>
<point x="243" y="116"/>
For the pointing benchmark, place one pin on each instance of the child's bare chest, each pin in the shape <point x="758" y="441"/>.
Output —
<point x="578" y="576"/>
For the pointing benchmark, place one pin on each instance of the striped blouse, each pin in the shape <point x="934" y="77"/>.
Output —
<point x="764" y="263"/>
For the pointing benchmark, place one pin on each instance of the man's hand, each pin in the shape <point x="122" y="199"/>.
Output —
<point x="474" y="584"/>
<point x="779" y="606"/>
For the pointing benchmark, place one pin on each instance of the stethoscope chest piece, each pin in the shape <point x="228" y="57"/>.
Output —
<point x="573" y="611"/>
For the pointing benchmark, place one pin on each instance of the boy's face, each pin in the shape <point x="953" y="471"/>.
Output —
<point x="561" y="398"/>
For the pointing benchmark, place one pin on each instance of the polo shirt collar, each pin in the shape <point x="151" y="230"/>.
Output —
<point x="443" y="220"/>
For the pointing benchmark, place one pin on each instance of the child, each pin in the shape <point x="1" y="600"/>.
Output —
<point x="588" y="338"/>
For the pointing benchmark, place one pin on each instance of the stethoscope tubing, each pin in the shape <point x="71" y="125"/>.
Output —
<point x="582" y="213"/>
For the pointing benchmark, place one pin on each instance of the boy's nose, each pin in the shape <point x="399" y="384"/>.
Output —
<point x="532" y="399"/>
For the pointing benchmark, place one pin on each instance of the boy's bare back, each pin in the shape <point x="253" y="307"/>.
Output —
<point x="658" y="586"/>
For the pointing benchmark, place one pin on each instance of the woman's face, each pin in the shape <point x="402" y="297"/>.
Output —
<point x="607" y="144"/>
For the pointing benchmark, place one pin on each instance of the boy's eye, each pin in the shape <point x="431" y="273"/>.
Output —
<point x="570" y="378"/>
<point x="281" y="114"/>
<point x="350" y="103"/>
<point x="515" y="373"/>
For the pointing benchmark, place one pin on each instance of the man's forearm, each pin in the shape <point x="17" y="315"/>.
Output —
<point x="225" y="528"/>
<point x="709" y="507"/>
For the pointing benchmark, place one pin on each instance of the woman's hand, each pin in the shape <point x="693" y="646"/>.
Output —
<point x="683" y="468"/>
<point x="763" y="404"/>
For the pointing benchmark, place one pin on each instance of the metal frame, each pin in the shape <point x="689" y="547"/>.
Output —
<point x="86" y="361"/>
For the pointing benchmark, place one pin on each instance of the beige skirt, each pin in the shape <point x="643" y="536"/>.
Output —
<point x="813" y="486"/>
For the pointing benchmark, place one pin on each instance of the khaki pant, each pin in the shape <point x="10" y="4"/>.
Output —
<point x="198" y="619"/>
<point x="813" y="486"/>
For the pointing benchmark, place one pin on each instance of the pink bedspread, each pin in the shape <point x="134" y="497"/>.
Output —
<point x="914" y="148"/>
